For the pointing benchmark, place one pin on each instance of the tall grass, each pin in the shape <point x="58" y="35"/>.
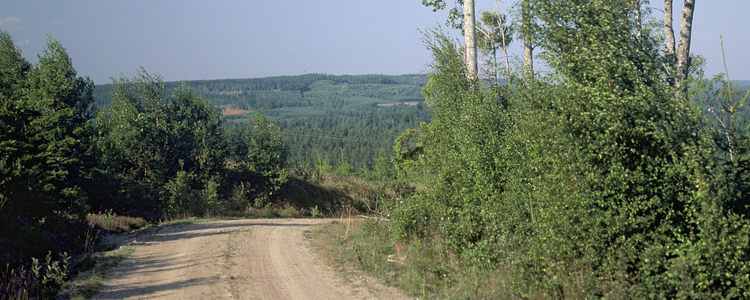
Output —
<point x="38" y="280"/>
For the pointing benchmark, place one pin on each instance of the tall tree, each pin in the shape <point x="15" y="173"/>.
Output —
<point x="470" y="37"/>
<point x="630" y="176"/>
<point x="526" y="31"/>
<point x="669" y="30"/>
<point x="45" y="133"/>
<point x="61" y="129"/>
<point x="679" y="57"/>
<point x="13" y="70"/>
<point x="469" y="29"/>
<point x="495" y="35"/>
<point x="683" y="48"/>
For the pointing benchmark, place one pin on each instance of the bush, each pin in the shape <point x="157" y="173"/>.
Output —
<point x="413" y="217"/>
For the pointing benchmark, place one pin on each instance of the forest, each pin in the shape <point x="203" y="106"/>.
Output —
<point x="621" y="172"/>
<point x="340" y="119"/>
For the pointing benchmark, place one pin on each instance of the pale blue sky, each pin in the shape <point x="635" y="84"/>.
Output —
<point x="187" y="40"/>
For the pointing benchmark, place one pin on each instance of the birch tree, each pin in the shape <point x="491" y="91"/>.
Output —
<point x="528" y="48"/>
<point x="680" y="57"/>
<point x="495" y="34"/>
<point x="668" y="30"/>
<point x="470" y="35"/>
<point x="683" y="48"/>
<point x="469" y="30"/>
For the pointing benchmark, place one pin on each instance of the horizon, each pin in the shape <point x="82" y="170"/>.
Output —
<point x="196" y="40"/>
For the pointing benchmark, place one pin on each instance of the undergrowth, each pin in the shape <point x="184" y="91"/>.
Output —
<point x="425" y="268"/>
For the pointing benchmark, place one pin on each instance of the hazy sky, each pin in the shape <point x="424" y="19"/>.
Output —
<point x="186" y="40"/>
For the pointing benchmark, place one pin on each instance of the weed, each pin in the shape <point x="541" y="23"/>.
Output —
<point x="315" y="213"/>
<point x="40" y="280"/>
<point x="288" y="212"/>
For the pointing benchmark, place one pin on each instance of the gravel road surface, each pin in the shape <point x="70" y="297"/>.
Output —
<point x="235" y="259"/>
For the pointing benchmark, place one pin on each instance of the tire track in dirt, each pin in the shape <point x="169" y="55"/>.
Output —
<point x="236" y="259"/>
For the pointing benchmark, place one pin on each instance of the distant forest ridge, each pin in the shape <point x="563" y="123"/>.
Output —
<point x="743" y="85"/>
<point x="342" y="119"/>
<point x="290" y="91"/>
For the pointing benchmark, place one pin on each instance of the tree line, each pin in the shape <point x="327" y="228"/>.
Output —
<point x="295" y="91"/>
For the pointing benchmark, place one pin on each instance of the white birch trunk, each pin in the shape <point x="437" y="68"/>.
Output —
<point x="638" y="20"/>
<point x="528" y="55"/>
<point x="683" y="48"/>
<point x="668" y="29"/>
<point x="470" y="37"/>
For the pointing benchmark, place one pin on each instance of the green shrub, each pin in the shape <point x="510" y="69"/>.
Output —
<point x="413" y="217"/>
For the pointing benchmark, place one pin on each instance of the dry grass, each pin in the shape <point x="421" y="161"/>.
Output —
<point x="115" y="223"/>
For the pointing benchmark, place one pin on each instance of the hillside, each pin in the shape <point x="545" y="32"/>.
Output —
<point x="341" y="118"/>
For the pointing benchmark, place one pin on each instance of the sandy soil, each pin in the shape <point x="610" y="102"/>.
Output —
<point x="237" y="259"/>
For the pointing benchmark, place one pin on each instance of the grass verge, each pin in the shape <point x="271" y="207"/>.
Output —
<point x="422" y="268"/>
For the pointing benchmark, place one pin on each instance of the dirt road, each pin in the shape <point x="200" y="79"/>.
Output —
<point x="237" y="259"/>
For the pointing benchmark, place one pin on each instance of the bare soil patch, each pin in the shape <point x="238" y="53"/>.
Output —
<point x="229" y="111"/>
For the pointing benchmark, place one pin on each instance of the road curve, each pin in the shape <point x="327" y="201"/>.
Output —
<point x="235" y="259"/>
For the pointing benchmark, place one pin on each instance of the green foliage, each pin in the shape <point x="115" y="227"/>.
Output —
<point x="259" y="151"/>
<point x="455" y="17"/>
<point x="414" y="218"/>
<point x="159" y="148"/>
<point x="239" y="197"/>
<point x="45" y="161"/>
<point x="318" y="112"/>
<point x="13" y="116"/>
<point x="725" y="114"/>
<point x="359" y="134"/>
<point x="46" y="133"/>
<point x="266" y="151"/>
<point x="383" y="168"/>
<point x="494" y="33"/>
<point x="459" y="145"/>
<point x="181" y="199"/>
<point x="595" y="181"/>
<point x="315" y="212"/>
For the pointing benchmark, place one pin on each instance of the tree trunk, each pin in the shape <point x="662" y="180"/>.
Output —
<point x="500" y="24"/>
<point x="638" y="21"/>
<point x="470" y="37"/>
<point x="528" y="58"/>
<point x="683" y="48"/>
<point x="668" y="30"/>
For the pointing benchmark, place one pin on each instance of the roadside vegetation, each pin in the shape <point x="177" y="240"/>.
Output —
<point x="598" y="179"/>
